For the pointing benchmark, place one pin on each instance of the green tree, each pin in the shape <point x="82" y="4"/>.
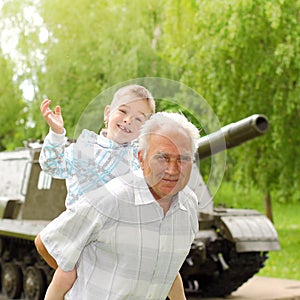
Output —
<point x="71" y="51"/>
<point x="20" y="59"/>
<point x="242" y="56"/>
<point x="92" y="46"/>
<point x="12" y="107"/>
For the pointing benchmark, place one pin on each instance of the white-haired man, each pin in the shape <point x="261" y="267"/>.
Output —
<point x="130" y="237"/>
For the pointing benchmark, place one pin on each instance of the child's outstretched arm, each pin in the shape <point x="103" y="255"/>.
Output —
<point x="54" y="119"/>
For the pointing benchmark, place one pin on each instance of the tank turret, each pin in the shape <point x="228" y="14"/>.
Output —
<point x="230" y="247"/>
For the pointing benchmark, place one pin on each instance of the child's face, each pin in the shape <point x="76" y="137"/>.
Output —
<point x="124" y="123"/>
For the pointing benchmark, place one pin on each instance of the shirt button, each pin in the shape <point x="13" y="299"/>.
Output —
<point x="162" y="247"/>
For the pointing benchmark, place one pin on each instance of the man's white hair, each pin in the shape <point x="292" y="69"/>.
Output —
<point x="162" y="120"/>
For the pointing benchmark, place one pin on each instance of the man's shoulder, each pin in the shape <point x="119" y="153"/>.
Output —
<point x="116" y="197"/>
<point x="128" y="182"/>
<point x="123" y="185"/>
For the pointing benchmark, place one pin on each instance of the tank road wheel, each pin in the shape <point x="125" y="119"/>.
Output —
<point x="34" y="284"/>
<point x="11" y="278"/>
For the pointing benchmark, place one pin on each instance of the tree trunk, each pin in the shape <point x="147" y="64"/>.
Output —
<point x="268" y="205"/>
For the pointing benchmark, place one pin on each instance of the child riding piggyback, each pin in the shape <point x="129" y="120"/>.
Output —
<point x="94" y="159"/>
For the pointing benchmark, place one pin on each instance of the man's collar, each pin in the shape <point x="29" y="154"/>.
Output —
<point x="143" y="195"/>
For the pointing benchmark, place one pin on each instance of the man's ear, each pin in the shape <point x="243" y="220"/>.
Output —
<point x="140" y="157"/>
<point x="106" y="114"/>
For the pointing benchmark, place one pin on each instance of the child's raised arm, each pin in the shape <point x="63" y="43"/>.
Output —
<point x="54" y="159"/>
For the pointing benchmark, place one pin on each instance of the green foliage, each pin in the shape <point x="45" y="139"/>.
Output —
<point x="94" y="45"/>
<point x="12" y="107"/>
<point x="242" y="57"/>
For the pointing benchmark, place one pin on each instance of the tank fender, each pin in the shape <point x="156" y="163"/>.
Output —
<point x="24" y="229"/>
<point x="250" y="233"/>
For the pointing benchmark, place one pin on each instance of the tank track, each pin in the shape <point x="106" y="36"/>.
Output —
<point x="241" y="267"/>
<point x="24" y="274"/>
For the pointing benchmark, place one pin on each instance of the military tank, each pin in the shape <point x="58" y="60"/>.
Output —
<point x="230" y="247"/>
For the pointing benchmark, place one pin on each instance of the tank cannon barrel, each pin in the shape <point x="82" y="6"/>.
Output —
<point x="232" y="135"/>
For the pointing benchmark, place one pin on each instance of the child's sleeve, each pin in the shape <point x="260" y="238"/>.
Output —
<point x="134" y="162"/>
<point x="55" y="158"/>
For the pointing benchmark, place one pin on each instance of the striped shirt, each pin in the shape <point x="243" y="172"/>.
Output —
<point x="87" y="164"/>
<point x="122" y="244"/>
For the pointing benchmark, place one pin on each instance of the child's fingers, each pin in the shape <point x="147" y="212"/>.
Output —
<point x="45" y="105"/>
<point x="57" y="110"/>
<point x="47" y="113"/>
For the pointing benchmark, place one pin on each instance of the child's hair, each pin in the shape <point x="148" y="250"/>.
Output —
<point x="130" y="93"/>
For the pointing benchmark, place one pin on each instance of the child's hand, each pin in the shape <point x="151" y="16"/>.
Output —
<point x="54" y="119"/>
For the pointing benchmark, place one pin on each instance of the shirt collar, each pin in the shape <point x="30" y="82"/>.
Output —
<point x="182" y="200"/>
<point x="104" y="142"/>
<point x="143" y="195"/>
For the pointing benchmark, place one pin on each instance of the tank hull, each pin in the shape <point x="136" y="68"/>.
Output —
<point x="230" y="247"/>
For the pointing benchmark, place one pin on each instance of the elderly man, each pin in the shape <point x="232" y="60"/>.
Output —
<point x="129" y="238"/>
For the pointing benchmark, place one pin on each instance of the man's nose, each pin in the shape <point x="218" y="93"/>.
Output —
<point x="173" y="166"/>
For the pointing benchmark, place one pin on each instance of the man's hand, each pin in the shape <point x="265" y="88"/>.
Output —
<point x="54" y="119"/>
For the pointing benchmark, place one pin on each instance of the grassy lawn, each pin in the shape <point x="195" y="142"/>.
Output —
<point x="286" y="262"/>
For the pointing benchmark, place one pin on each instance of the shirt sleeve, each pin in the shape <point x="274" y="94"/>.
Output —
<point x="55" y="158"/>
<point x="67" y="235"/>
<point x="190" y="200"/>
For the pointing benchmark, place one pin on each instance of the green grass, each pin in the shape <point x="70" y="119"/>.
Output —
<point x="286" y="262"/>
